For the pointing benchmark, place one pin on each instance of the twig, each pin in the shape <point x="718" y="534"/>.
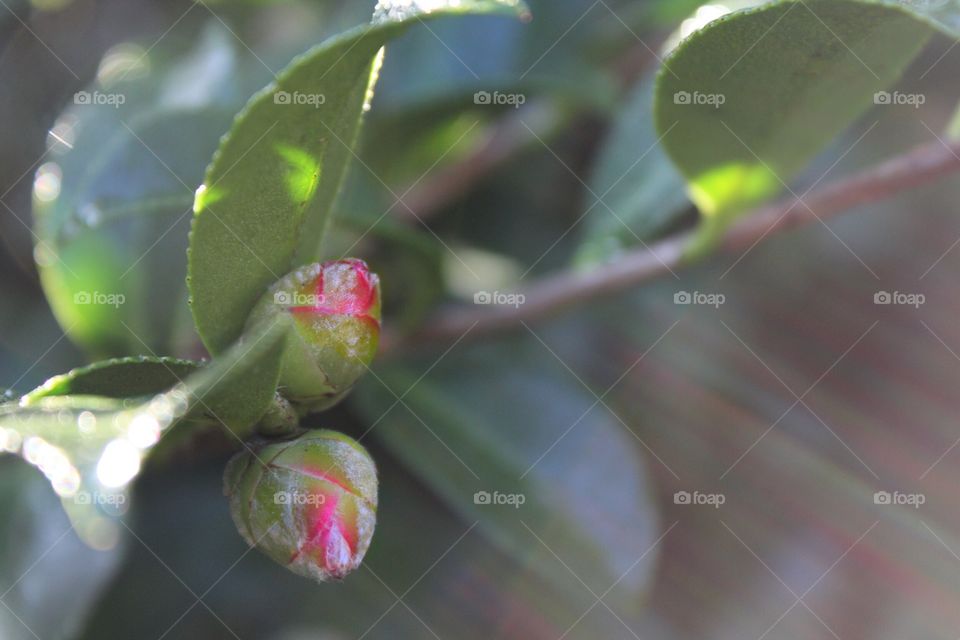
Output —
<point x="552" y="294"/>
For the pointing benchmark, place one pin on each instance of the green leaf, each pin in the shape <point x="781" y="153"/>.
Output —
<point x="119" y="378"/>
<point x="640" y="189"/>
<point x="265" y="203"/>
<point x="138" y="377"/>
<point x="752" y="97"/>
<point x="112" y="205"/>
<point x="45" y="567"/>
<point x="238" y="386"/>
<point x="240" y="399"/>
<point x="91" y="446"/>
<point x="107" y="239"/>
<point x="526" y="431"/>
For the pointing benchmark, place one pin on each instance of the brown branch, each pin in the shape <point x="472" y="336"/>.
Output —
<point x="555" y="293"/>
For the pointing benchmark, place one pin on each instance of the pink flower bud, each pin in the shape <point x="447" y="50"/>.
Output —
<point x="336" y="312"/>
<point x="309" y="503"/>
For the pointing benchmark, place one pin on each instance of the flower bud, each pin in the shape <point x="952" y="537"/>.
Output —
<point x="336" y="312"/>
<point x="309" y="503"/>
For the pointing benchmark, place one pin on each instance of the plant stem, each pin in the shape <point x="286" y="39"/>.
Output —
<point x="549" y="295"/>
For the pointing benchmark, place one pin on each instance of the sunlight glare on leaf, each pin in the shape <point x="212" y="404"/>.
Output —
<point x="398" y="10"/>
<point x="90" y="465"/>
<point x="144" y="431"/>
<point x="303" y="173"/>
<point x="703" y="16"/>
<point x="401" y="9"/>
<point x="119" y="464"/>
<point x="727" y="188"/>
<point x="206" y="197"/>
<point x="10" y="440"/>
<point x="54" y="463"/>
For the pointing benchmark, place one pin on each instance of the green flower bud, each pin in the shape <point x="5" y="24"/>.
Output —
<point x="336" y="312"/>
<point x="308" y="503"/>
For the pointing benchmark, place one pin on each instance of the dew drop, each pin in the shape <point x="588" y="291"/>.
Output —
<point x="87" y="422"/>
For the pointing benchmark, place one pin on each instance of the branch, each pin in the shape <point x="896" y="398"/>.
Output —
<point x="555" y="293"/>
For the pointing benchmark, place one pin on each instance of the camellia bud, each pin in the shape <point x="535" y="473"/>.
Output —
<point x="336" y="312"/>
<point x="309" y="503"/>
